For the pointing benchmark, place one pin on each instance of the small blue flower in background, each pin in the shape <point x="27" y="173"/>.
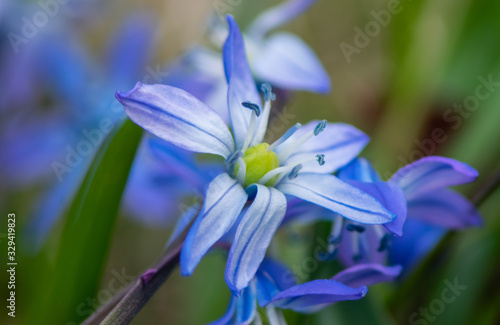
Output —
<point x="39" y="140"/>
<point x="281" y="59"/>
<point x="368" y="244"/>
<point x="161" y="177"/>
<point x="257" y="171"/>
<point x="431" y="210"/>
<point x="275" y="288"/>
<point x="46" y="81"/>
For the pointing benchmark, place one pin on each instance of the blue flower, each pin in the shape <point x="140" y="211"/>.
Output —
<point x="255" y="171"/>
<point x="62" y="62"/>
<point x="161" y="177"/>
<point x="354" y="241"/>
<point x="283" y="59"/>
<point x="275" y="288"/>
<point x="431" y="210"/>
<point x="279" y="58"/>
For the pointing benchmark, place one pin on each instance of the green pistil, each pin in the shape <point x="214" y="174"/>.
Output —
<point x="259" y="162"/>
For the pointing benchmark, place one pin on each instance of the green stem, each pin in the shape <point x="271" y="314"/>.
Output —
<point x="485" y="191"/>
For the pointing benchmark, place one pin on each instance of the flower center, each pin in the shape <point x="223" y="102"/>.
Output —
<point x="259" y="162"/>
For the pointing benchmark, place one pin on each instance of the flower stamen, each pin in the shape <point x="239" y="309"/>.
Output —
<point x="292" y="169"/>
<point x="262" y="125"/>
<point x="357" y="254"/>
<point x="275" y="172"/>
<point x="291" y="147"/>
<point x="355" y="228"/>
<point x="253" y="121"/>
<point x="336" y="233"/>
<point x="295" y="172"/>
<point x="285" y="136"/>
<point x="385" y="242"/>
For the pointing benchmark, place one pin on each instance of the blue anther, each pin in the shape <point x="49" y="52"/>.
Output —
<point x="268" y="92"/>
<point x="325" y="256"/>
<point x="358" y="257"/>
<point x="252" y="106"/>
<point x="353" y="227"/>
<point x="384" y="243"/>
<point x="320" y="127"/>
<point x="295" y="171"/>
<point x="320" y="159"/>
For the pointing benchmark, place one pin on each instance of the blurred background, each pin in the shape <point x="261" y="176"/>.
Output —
<point x="408" y="79"/>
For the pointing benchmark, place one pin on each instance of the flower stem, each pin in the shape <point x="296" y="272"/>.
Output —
<point x="490" y="187"/>
<point x="98" y="316"/>
<point x="138" y="294"/>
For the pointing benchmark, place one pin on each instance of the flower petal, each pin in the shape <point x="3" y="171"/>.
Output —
<point x="393" y="199"/>
<point x="444" y="208"/>
<point x="177" y="117"/>
<point x="330" y="192"/>
<point x="199" y="72"/>
<point x="241" y="310"/>
<point x="182" y="224"/>
<point x="240" y="81"/>
<point x="300" y="212"/>
<point x="152" y="197"/>
<point x="228" y="316"/>
<point x="254" y="235"/>
<point x="314" y="295"/>
<point x="277" y="16"/>
<point x="272" y="278"/>
<point x="285" y="61"/>
<point x="223" y="203"/>
<point x="367" y="274"/>
<point x="182" y="164"/>
<point x="419" y="239"/>
<point x="339" y="142"/>
<point x="359" y="169"/>
<point x="161" y="176"/>
<point x="246" y="306"/>
<point x="365" y="251"/>
<point x="431" y="173"/>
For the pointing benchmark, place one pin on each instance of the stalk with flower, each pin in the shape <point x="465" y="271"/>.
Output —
<point x="256" y="173"/>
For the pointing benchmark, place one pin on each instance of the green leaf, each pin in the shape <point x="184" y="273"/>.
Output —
<point x="87" y="232"/>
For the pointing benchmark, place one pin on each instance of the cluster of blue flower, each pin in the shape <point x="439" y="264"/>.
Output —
<point x="205" y="104"/>
<point x="310" y="173"/>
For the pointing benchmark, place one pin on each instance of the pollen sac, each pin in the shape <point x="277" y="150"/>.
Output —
<point x="258" y="162"/>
